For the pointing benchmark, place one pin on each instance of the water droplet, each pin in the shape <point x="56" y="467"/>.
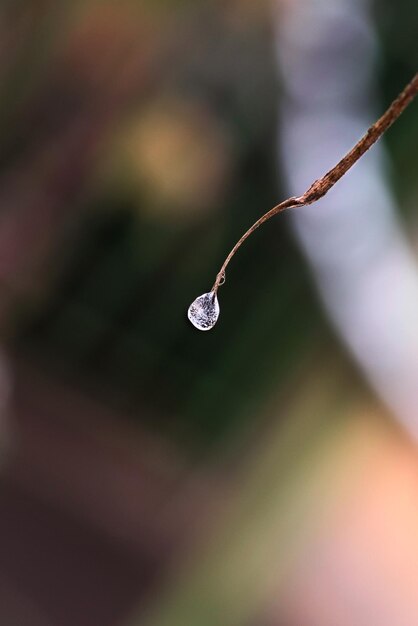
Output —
<point x="204" y="311"/>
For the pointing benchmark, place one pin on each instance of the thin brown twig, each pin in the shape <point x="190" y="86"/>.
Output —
<point x="320" y="187"/>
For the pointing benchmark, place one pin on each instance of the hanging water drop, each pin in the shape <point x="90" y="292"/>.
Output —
<point x="204" y="311"/>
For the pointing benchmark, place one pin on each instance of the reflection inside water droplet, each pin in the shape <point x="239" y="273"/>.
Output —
<point x="204" y="311"/>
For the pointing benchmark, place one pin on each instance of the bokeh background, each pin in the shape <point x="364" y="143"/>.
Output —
<point x="265" y="473"/>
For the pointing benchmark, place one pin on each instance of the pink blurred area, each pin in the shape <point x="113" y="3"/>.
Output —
<point x="360" y="564"/>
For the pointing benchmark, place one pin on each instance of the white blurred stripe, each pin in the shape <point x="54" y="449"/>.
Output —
<point x="364" y="268"/>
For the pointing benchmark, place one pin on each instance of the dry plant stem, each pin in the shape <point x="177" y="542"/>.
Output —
<point x="320" y="187"/>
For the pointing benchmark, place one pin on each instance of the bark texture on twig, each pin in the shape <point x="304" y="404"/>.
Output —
<point x="320" y="187"/>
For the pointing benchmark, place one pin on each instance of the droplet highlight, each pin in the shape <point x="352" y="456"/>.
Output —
<point x="204" y="311"/>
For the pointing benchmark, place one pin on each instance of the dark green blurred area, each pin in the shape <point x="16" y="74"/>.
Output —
<point x="96" y="100"/>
